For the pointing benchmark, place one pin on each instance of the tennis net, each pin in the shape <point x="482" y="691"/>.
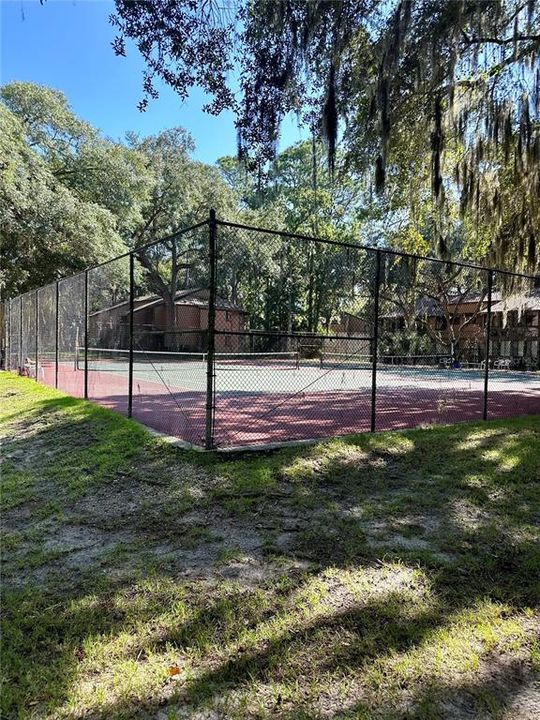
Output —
<point x="115" y="359"/>
<point x="335" y="360"/>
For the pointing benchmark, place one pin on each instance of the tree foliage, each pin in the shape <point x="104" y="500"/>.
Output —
<point x="71" y="198"/>
<point x="460" y="76"/>
<point x="286" y="282"/>
<point x="181" y="195"/>
<point x="47" y="230"/>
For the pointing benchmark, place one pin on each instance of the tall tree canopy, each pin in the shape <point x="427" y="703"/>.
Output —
<point x="181" y="195"/>
<point x="95" y="169"/>
<point x="54" y="219"/>
<point x="70" y="198"/>
<point x="284" y="283"/>
<point x="299" y="194"/>
<point x="462" y="77"/>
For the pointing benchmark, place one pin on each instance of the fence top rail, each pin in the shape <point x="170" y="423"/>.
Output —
<point x="296" y="236"/>
<point x="137" y="249"/>
<point x="49" y="286"/>
<point x="173" y="235"/>
<point x="370" y="248"/>
<point x="134" y="251"/>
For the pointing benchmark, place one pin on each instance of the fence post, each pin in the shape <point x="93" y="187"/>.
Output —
<point x="212" y="226"/>
<point x="8" y="336"/>
<point x="56" y="332"/>
<point x="375" y="344"/>
<point x="130" y="338"/>
<point x="21" y="363"/>
<point x="488" y="343"/>
<point x="86" y="334"/>
<point x="37" y="335"/>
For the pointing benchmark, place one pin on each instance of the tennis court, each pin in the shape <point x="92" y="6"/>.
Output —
<point x="203" y="338"/>
<point x="262" y="398"/>
<point x="288" y="373"/>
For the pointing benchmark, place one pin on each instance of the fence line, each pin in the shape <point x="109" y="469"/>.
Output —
<point x="238" y="390"/>
<point x="210" y="358"/>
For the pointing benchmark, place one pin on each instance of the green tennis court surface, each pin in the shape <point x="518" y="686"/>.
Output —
<point x="289" y="372"/>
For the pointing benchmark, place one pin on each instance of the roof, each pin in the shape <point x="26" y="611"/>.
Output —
<point x="122" y="303"/>
<point x="429" y="307"/>
<point x="423" y="306"/>
<point x="195" y="297"/>
<point x="519" y="301"/>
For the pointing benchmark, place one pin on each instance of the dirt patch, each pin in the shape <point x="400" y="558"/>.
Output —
<point x="400" y="541"/>
<point x="509" y="679"/>
<point x="108" y="531"/>
<point x="526" y="703"/>
<point x="467" y="516"/>
<point x="66" y="538"/>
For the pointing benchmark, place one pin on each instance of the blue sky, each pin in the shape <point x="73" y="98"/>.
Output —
<point x="65" y="44"/>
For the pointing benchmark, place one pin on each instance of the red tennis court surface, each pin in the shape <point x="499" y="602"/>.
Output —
<point x="258" y="418"/>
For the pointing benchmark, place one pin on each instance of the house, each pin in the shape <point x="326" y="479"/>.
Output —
<point x="515" y="329"/>
<point x="454" y="326"/>
<point x="109" y="326"/>
<point x="515" y="326"/>
<point x="353" y="334"/>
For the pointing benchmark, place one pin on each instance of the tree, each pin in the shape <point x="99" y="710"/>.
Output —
<point x="46" y="230"/>
<point x="299" y="195"/>
<point x="182" y="194"/>
<point x="95" y="169"/>
<point x="432" y="303"/>
<point x="447" y="72"/>
<point x="69" y="197"/>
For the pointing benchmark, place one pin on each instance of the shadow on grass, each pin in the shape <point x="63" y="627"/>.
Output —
<point x="457" y="506"/>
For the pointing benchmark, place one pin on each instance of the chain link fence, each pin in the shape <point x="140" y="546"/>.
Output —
<point x="104" y="362"/>
<point x="28" y="341"/>
<point x="71" y="333"/>
<point x="13" y="314"/>
<point x="432" y="342"/>
<point x="46" y="335"/>
<point x="225" y="335"/>
<point x="290" y="316"/>
<point x="170" y="334"/>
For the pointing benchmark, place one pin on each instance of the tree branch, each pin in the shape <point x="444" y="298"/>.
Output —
<point x="498" y="41"/>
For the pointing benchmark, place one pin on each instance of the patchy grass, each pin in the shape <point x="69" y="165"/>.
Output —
<point x="377" y="576"/>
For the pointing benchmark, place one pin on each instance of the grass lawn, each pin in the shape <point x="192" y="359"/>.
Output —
<point x="393" y="575"/>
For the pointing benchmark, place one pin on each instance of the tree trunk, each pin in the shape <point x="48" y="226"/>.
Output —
<point x="311" y="281"/>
